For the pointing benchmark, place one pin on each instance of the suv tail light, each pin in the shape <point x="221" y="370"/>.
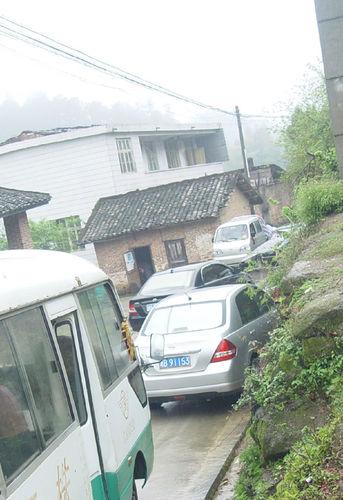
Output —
<point x="132" y="309"/>
<point x="225" y="351"/>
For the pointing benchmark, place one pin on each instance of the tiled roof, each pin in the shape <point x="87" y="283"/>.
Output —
<point x="13" y="201"/>
<point x="165" y="205"/>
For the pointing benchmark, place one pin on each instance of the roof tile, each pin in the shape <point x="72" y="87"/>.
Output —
<point x="165" y="205"/>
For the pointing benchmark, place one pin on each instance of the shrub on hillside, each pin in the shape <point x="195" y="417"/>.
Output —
<point x="317" y="198"/>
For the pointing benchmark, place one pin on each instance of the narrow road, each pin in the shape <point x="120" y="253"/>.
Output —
<point x="192" y="441"/>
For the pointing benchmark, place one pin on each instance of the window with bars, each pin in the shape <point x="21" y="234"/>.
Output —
<point x="176" y="252"/>
<point x="151" y="154"/>
<point x="125" y="154"/>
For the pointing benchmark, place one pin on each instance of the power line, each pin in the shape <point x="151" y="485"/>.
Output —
<point x="60" y="49"/>
<point x="73" y="75"/>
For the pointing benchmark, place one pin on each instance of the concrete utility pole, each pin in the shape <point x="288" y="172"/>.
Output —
<point x="330" y="26"/>
<point x="241" y="138"/>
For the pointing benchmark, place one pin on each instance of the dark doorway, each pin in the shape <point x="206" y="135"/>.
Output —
<point x="144" y="263"/>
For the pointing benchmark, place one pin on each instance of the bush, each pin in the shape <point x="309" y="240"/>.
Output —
<point x="317" y="198"/>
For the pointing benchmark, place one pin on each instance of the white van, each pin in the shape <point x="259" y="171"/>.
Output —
<point x="74" y="416"/>
<point x="236" y="239"/>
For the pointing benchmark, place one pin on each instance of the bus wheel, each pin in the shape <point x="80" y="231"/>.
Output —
<point x="134" y="491"/>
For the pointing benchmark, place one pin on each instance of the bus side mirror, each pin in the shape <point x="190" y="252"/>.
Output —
<point x="157" y="346"/>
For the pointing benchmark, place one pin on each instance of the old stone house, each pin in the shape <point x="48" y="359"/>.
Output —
<point x="149" y="230"/>
<point x="13" y="206"/>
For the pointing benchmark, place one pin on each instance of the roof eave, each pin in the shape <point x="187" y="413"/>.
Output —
<point x="24" y="209"/>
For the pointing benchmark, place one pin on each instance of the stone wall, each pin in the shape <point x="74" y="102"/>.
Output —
<point x="272" y="212"/>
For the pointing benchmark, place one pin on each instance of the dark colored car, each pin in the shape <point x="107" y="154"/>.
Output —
<point x="176" y="280"/>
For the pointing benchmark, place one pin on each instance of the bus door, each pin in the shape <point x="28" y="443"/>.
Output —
<point x="41" y="452"/>
<point x="127" y="416"/>
<point x="72" y="351"/>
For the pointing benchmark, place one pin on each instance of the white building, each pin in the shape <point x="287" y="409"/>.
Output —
<point x="77" y="166"/>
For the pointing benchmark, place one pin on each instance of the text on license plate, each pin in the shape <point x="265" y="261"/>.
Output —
<point x="175" y="362"/>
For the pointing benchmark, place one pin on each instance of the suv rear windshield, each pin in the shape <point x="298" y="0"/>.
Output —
<point x="191" y="317"/>
<point x="177" y="279"/>
<point x="232" y="233"/>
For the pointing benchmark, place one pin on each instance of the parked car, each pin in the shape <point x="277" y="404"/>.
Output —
<point x="209" y="336"/>
<point x="165" y="283"/>
<point x="235" y="240"/>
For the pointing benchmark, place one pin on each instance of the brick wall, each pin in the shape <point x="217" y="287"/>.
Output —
<point x="197" y="237"/>
<point x="17" y="231"/>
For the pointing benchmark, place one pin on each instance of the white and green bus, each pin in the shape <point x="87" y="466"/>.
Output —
<point x="74" y="416"/>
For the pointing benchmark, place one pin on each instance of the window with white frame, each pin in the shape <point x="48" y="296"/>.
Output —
<point x="125" y="154"/>
<point x="151" y="154"/>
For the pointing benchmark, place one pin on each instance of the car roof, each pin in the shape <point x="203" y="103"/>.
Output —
<point x="187" y="267"/>
<point x="244" y="219"/>
<point x="201" y="295"/>
<point x="32" y="276"/>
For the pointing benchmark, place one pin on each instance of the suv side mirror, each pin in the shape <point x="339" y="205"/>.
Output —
<point x="157" y="346"/>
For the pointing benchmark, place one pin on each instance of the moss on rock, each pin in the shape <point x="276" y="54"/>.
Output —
<point x="322" y="316"/>
<point x="276" y="433"/>
<point x="315" y="348"/>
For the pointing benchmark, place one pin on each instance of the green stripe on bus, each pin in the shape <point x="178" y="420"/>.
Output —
<point x="119" y="483"/>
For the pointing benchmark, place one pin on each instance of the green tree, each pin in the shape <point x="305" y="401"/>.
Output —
<point x="306" y="135"/>
<point x="50" y="235"/>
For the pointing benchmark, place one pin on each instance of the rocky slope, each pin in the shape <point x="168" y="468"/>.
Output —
<point x="297" y="393"/>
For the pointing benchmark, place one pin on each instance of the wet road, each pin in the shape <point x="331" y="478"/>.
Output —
<point x="192" y="441"/>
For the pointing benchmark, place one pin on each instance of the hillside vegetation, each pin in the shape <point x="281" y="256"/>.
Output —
<point x="297" y="391"/>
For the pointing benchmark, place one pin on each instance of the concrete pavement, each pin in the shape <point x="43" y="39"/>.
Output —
<point x="192" y="442"/>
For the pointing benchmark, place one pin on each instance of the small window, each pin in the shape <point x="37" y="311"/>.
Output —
<point x="33" y="346"/>
<point x="125" y="154"/>
<point x="103" y="322"/>
<point x="66" y="343"/>
<point x="252" y="230"/>
<point x="176" y="252"/>
<point x="19" y="442"/>
<point x="136" y="381"/>
<point x="247" y="307"/>
<point x="150" y="151"/>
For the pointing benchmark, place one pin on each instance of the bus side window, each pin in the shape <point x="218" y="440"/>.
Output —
<point x="31" y="339"/>
<point x="103" y="323"/>
<point x="19" y="442"/>
<point x="66" y="343"/>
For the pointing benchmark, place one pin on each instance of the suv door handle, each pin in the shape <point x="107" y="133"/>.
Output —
<point x="252" y="331"/>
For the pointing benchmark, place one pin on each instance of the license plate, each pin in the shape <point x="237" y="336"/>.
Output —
<point x="149" y="307"/>
<point x="176" y="362"/>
